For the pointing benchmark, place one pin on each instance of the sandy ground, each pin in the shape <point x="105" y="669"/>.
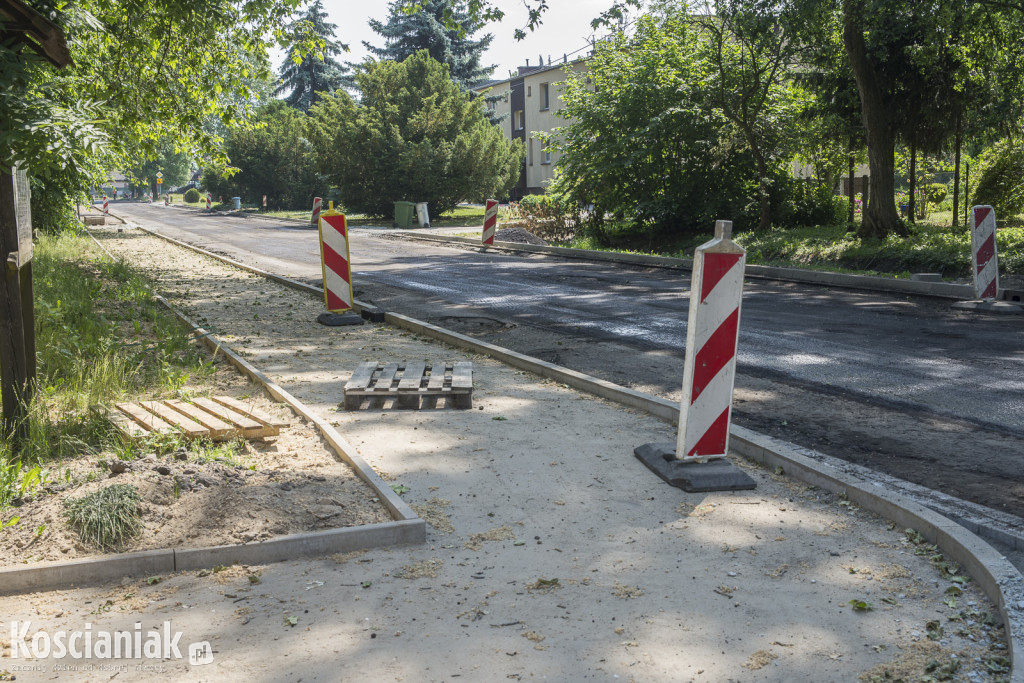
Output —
<point x="202" y="494"/>
<point x="551" y="554"/>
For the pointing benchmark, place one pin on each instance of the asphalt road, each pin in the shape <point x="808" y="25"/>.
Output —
<point x="903" y="384"/>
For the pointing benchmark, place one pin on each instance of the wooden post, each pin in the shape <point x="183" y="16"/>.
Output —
<point x="17" y="319"/>
<point x="849" y="221"/>
<point x="967" y="190"/>
<point x="912" y="208"/>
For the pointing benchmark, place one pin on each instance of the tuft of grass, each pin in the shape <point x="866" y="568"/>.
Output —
<point x="107" y="518"/>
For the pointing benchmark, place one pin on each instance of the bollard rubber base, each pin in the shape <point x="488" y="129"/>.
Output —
<point x="339" y="319"/>
<point x="693" y="477"/>
<point x="987" y="306"/>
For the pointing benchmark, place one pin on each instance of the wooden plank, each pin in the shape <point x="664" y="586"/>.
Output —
<point x="250" y="428"/>
<point x="462" y="384"/>
<point x="124" y="424"/>
<point x="361" y="377"/>
<point x="251" y="411"/>
<point x="462" y="376"/>
<point x="387" y="376"/>
<point x="192" y="429"/>
<point x="436" y="381"/>
<point x="145" y="418"/>
<point x="412" y="378"/>
<point x="219" y="429"/>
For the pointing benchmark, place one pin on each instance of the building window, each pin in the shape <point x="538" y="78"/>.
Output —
<point x="529" y="91"/>
<point x="545" y="155"/>
<point x="517" y="120"/>
<point x="544" y="102"/>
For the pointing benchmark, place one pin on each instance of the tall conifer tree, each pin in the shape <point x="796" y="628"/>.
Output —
<point x="304" y="77"/>
<point x="442" y="27"/>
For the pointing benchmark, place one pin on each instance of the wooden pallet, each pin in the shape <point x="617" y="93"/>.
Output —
<point x="408" y="383"/>
<point x="220" y="418"/>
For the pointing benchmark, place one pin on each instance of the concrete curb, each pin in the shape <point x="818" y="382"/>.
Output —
<point x="998" y="578"/>
<point x="407" y="528"/>
<point x="944" y="290"/>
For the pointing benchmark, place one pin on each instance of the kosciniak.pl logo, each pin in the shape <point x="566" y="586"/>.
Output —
<point x="101" y="644"/>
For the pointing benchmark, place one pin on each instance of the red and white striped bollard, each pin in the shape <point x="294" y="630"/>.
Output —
<point x="490" y="222"/>
<point x="697" y="461"/>
<point x="334" y="259"/>
<point x="106" y="205"/>
<point x="983" y="249"/>
<point x="315" y="220"/>
<point x="209" y="201"/>
<point x="712" y="334"/>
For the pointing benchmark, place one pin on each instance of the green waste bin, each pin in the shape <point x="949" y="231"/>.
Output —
<point x="403" y="214"/>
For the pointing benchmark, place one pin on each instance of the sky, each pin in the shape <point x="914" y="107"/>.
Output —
<point x="566" y="28"/>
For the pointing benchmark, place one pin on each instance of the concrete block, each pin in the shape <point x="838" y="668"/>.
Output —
<point x="63" y="575"/>
<point x="998" y="307"/>
<point x="926" y="277"/>
<point x="304" y="545"/>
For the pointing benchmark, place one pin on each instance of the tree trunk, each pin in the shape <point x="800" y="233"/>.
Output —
<point x="912" y="179"/>
<point x="956" y="167"/>
<point x="881" y="218"/>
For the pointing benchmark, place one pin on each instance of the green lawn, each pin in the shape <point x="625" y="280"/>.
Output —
<point x="933" y="247"/>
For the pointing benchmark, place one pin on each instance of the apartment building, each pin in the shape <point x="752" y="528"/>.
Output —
<point x="528" y="100"/>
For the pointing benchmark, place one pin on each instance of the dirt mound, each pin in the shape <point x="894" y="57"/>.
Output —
<point x="518" y="235"/>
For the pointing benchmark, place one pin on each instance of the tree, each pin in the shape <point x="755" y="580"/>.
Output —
<point x="175" y="166"/>
<point x="750" y="83"/>
<point x="274" y="157"/>
<point x="647" y="140"/>
<point x="146" y="72"/>
<point x="305" y="74"/>
<point x="444" y="28"/>
<point x="911" y="69"/>
<point x="414" y="136"/>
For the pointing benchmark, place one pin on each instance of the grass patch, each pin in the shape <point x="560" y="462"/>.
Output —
<point x="107" y="518"/>
<point x="933" y="247"/>
<point x="101" y="337"/>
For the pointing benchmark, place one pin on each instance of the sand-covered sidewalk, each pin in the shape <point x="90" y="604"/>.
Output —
<point x="552" y="553"/>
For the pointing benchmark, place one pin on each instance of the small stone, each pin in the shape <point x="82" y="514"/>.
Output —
<point x="732" y="574"/>
<point x="118" y="466"/>
<point x="208" y="481"/>
<point x="163" y="469"/>
<point x="285" y="486"/>
<point x="189" y="471"/>
<point x="181" y="454"/>
<point x="833" y="553"/>
<point x="149" y="458"/>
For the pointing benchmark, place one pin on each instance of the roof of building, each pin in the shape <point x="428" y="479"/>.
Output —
<point x="24" y="25"/>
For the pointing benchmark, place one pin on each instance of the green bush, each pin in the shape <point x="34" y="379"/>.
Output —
<point x="192" y="195"/>
<point x="1000" y="181"/>
<point x="936" y="192"/>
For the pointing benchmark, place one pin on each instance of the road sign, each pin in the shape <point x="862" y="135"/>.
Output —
<point x="159" y="175"/>
<point x="334" y="258"/>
